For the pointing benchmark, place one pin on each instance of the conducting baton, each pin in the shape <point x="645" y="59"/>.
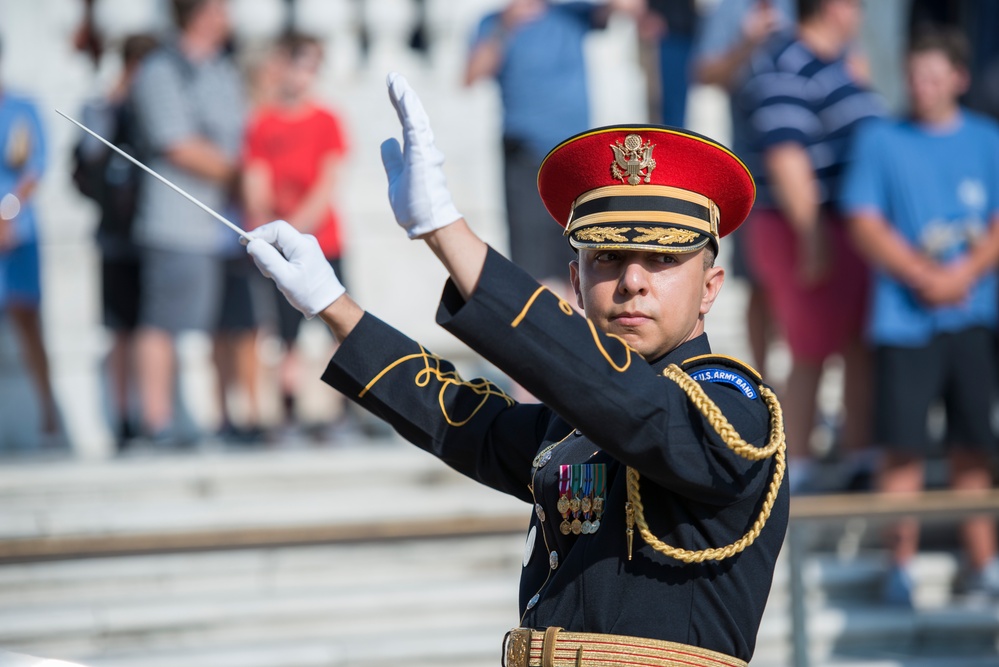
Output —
<point x="149" y="171"/>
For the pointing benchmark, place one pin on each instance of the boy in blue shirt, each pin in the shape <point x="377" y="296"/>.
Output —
<point x="922" y="196"/>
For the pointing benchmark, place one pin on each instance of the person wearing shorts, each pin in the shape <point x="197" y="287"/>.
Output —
<point x="295" y="150"/>
<point x="803" y="103"/>
<point x="22" y="163"/>
<point x="923" y="200"/>
<point x="190" y="111"/>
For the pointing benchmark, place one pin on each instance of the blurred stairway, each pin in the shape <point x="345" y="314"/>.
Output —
<point x="362" y="599"/>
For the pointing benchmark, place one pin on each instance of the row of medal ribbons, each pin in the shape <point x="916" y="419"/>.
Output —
<point x="582" y="488"/>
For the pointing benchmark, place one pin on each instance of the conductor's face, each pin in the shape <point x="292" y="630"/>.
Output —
<point x="653" y="300"/>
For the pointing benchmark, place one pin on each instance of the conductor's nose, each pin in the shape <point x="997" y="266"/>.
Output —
<point x="634" y="278"/>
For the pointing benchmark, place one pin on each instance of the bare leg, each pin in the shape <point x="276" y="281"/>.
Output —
<point x="28" y="324"/>
<point x="902" y="473"/>
<point x="246" y="370"/>
<point x="970" y="472"/>
<point x="156" y="377"/>
<point x="799" y="403"/>
<point x="223" y="358"/>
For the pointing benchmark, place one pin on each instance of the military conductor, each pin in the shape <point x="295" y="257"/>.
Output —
<point x="655" y="470"/>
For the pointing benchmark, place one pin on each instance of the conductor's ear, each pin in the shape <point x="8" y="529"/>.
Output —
<point x="574" y="280"/>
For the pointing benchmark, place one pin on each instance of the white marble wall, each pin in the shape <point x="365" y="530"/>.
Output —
<point x="394" y="278"/>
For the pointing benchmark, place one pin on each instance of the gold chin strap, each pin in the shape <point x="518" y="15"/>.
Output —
<point x="635" y="512"/>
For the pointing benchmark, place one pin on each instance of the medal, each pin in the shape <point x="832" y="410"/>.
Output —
<point x="576" y="527"/>
<point x="577" y="482"/>
<point x="599" y="491"/>
<point x="586" y="504"/>
<point x="587" y="527"/>
<point x="563" y="489"/>
<point x="565" y="527"/>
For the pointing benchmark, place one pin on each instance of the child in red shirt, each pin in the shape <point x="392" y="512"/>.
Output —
<point x="294" y="149"/>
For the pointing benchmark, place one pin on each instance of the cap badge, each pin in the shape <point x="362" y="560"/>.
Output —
<point x="633" y="160"/>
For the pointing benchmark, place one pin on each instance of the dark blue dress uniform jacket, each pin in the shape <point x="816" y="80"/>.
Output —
<point x="601" y="403"/>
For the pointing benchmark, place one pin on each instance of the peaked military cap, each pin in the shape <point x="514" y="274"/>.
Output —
<point x="645" y="187"/>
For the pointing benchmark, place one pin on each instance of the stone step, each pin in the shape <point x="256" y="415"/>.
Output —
<point x="272" y="571"/>
<point x="425" y="601"/>
<point x="213" y="493"/>
<point x="348" y="593"/>
<point x="355" y="620"/>
<point x="876" y="631"/>
<point x="218" y="472"/>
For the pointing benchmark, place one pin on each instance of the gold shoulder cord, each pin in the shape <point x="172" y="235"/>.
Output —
<point x="635" y="512"/>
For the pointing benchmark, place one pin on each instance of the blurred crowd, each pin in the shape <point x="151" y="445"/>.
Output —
<point x="873" y="242"/>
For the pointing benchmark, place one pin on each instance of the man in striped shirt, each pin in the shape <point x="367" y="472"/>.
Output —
<point x="804" y="99"/>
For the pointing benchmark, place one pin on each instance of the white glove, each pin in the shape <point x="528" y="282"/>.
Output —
<point x="297" y="265"/>
<point x="417" y="189"/>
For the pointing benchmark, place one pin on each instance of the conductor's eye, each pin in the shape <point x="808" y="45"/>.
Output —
<point x="607" y="256"/>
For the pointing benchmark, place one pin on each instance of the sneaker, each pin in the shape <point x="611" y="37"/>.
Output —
<point x="897" y="588"/>
<point x="983" y="584"/>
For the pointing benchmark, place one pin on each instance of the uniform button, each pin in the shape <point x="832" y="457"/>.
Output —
<point x="540" y="511"/>
<point x="553" y="559"/>
<point x="578" y="432"/>
<point x="545" y="458"/>
<point x="529" y="545"/>
<point x="533" y="601"/>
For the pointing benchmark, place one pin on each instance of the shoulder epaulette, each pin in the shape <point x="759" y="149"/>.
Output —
<point x="716" y="368"/>
<point x="726" y="370"/>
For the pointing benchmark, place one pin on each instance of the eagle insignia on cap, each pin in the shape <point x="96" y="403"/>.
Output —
<point x="633" y="160"/>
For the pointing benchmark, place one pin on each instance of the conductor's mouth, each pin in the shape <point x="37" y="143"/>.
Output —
<point x="630" y="319"/>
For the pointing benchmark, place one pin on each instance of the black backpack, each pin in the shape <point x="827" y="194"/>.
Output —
<point x="109" y="179"/>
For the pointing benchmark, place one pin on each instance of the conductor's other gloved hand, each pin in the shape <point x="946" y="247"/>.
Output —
<point x="297" y="265"/>
<point x="417" y="189"/>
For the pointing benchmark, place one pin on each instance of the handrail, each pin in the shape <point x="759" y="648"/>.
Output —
<point x="948" y="504"/>
<point x="927" y="504"/>
<point x="67" y="547"/>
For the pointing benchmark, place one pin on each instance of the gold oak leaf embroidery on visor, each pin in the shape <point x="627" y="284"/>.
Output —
<point x="567" y="309"/>
<point x="483" y="388"/>
<point x="603" y="234"/>
<point x="664" y="235"/>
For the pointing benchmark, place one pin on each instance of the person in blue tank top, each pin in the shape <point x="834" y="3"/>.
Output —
<point x="922" y="195"/>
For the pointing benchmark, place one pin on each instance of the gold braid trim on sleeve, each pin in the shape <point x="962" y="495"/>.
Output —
<point x="562" y="304"/>
<point x="635" y="511"/>
<point x="483" y="388"/>
<point x="566" y="308"/>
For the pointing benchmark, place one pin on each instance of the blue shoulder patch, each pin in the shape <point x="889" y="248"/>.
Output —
<point x="726" y="376"/>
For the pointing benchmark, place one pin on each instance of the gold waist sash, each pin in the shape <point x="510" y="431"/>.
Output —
<point x="524" y="647"/>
